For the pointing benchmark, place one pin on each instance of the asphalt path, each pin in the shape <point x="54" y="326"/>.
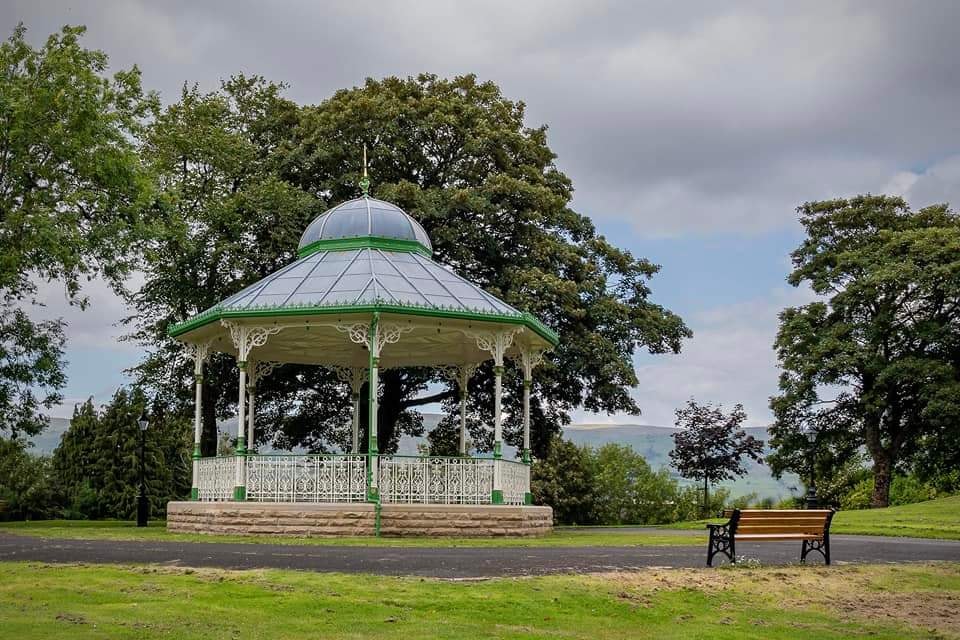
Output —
<point x="460" y="562"/>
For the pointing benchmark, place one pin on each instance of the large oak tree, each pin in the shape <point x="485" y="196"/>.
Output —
<point x="875" y="361"/>
<point x="459" y="157"/>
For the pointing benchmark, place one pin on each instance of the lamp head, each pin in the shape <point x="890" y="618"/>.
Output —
<point x="143" y="421"/>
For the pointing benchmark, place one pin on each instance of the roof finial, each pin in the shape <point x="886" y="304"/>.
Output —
<point x="365" y="181"/>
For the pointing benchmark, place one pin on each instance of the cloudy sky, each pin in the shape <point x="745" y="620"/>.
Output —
<point x="691" y="131"/>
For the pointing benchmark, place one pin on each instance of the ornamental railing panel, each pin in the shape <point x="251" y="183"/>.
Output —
<point x="403" y="479"/>
<point x="306" y="478"/>
<point x="215" y="479"/>
<point x="515" y="477"/>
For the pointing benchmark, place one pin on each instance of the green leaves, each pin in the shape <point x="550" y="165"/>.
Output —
<point x="867" y="365"/>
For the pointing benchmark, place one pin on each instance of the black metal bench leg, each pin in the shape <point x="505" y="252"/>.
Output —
<point x="804" y="550"/>
<point x="826" y="549"/>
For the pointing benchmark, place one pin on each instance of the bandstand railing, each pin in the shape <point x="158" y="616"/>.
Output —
<point x="343" y="478"/>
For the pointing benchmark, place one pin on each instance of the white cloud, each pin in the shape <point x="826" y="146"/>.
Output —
<point x="730" y="360"/>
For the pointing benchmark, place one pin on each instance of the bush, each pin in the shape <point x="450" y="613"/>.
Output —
<point x="26" y="489"/>
<point x="613" y="485"/>
<point x="903" y="490"/>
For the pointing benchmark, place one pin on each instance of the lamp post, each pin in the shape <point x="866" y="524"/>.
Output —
<point x="812" y="501"/>
<point x="142" y="505"/>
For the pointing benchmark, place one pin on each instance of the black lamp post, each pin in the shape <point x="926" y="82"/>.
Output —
<point x="812" y="501"/>
<point x="142" y="504"/>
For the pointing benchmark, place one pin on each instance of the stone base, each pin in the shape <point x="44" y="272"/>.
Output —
<point x="359" y="519"/>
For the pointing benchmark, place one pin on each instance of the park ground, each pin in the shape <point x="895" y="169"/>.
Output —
<point x="76" y="601"/>
<point x="85" y="600"/>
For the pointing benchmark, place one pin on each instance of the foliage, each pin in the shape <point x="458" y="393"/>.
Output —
<point x="31" y="371"/>
<point x="71" y="190"/>
<point x="222" y="219"/>
<point x="564" y="481"/>
<point x="874" y="362"/>
<point x="903" y="490"/>
<point x="628" y="491"/>
<point x="96" y="464"/>
<point x="612" y="485"/>
<point x="26" y="489"/>
<point x="243" y="171"/>
<point x="711" y="445"/>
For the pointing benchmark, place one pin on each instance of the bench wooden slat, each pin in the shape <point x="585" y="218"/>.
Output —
<point x="779" y="536"/>
<point x="811" y="526"/>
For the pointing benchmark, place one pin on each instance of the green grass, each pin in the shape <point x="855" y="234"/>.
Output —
<point x="46" y="601"/>
<point x="932" y="519"/>
<point x="115" y="530"/>
<point x="938" y="518"/>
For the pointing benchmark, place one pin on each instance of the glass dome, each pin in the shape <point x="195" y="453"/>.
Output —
<point x="364" y="217"/>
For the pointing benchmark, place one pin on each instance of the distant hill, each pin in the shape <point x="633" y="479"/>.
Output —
<point x="652" y="442"/>
<point x="655" y="443"/>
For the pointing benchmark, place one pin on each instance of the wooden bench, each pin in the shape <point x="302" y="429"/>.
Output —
<point x="810" y="526"/>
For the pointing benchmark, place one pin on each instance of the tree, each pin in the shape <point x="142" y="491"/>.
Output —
<point x="458" y="156"/>
<point x="627" y="490"/>
<point x="71" y="191"/>
<point x="875" y="362"/>
<point x="96" y="463"/>
<point x="711" y="445"/>
<point x="564" y="481"/>
<point x="224" y="219"/>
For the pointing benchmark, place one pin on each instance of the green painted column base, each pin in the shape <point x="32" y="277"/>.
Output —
<point x="528" y="498"/>
<point x="240" y="494"/>
<point x="194" y="493"/>
<point x="497" y="496"/>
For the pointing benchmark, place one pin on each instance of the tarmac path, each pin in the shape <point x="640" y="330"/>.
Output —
<point x="459" y="562"/>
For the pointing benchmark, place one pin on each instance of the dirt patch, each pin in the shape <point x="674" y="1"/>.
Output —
<point x="888" y="594"/>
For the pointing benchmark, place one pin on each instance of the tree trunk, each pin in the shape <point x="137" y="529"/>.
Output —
<point x="882" y="472"/>
<point x="706" y="497"/>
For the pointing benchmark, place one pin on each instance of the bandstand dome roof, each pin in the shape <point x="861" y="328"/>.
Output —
<point x="362" y="257"/>
<point x="364" y="217"/>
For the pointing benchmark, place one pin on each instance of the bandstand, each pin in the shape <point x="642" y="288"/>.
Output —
<point x="364" y="295"/>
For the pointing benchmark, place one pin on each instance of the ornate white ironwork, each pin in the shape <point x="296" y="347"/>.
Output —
<point x="215" y="479"/>
<point x="257" y="371"/>
<point x="495" y="342"/>
<point x="390" y="333"/>
<point x="358" y="332"/>
<point x="354" y="377"/>
<point x="516" y="481"/>
<point x="246" y="337"/>
<point x="529" y="359"/>
<point x="342" y="478"/>
<point x="309" y="478"/>
<point x="436" y="480"/>
<point x="198" y="353"/>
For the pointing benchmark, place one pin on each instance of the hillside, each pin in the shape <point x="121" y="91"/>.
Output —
<point x="652" y="442"/>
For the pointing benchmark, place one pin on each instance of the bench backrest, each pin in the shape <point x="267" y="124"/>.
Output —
<point x="809" y="521"/>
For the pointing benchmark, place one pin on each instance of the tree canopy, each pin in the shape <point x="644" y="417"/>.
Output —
<point x="71" y="191"/>
<point x="711" y="444"/>
<point x="244" y="170"/>
<point x="875" y="361"/>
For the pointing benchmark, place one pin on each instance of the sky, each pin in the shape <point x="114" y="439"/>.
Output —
<point x="691" y="132"/>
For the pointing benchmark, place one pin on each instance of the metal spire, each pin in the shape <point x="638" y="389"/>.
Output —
<point x="365" y="180"/>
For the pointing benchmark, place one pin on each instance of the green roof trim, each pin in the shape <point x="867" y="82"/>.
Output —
<point x="365" y="242"/>
<point x="218" y="313"/>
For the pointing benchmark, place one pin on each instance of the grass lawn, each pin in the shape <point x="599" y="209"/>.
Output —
<point x="115" y="530"/>
<point x="932" y="519"/>
<point x="68" y="601"/>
